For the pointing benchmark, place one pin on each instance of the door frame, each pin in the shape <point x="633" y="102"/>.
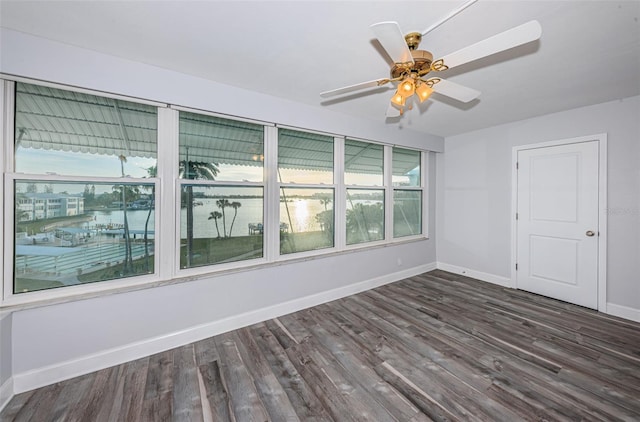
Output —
<point x="601" y="138"/>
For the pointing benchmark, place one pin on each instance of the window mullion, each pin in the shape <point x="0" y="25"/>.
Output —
<point x="168" y="233"/>
<point x="424" y="182"/>
<point x="271" y="194"/>
<point x="340" y="195"/>
<point x="7" y="118"/>
<point x="388" y="193"/>
<point x="6" y="151"/>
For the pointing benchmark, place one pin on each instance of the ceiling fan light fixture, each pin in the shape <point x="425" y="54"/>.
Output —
<point x="398" y="99"/>
<point x="407" y="87"/>
<point x="424" y="91"/>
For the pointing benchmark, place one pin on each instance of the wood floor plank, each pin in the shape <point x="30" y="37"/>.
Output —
<point x="71" y="394"/>
<point x="216" y="392"/>
<point x="271" y="393"/>
<point x="187" y="402"/>
<point x="244" y="397"/>
<point x="301" y="396"/>
<point x="433" y="347"/>
<point x="99" y="400"/>
<point x="206" y="351"/>
<point x="15" y="406"/>
<point x="158" y="395"/>
<point x="38" y="406"/>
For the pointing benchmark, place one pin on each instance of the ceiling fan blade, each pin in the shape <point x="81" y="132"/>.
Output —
<point x="391" y="38"/>
<point x="449" y="16"/>
<point x="454" y="90"/>
<point x="392" y="111"/>
<point x="352" y="88"/>
<point x="513" y="37"/>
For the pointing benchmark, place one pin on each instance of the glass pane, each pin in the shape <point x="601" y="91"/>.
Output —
<point x="70" y="133"/>
<point x="407" y="213"/>
<point x="304" y="157"/>
<point x="365" y="215"/>
<point x="74" y="233"/>
<point x="223" y="224"/>
<point x="406" y="167"/>
<point x="213" y="148"/>
<point x="306" y="219"/>
<point x="363" y="163"/>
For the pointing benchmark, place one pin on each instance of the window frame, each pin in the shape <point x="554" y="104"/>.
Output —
<point x="180" y="182"/>
<point x="386" y="167"/>
<point x="423" y="188"/>
<point x="280" y="185"/>
<point x="9" y="297"/>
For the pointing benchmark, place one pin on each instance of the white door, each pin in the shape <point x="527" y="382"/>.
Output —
<point x="557" y="222"/>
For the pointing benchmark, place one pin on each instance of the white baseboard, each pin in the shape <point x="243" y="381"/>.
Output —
<point x="625" y="312"/>
<point x="489" y="278"/>
<point x="6" y="393"/>
<point x="65" y="370"/>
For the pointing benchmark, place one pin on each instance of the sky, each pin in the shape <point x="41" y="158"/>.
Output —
<point x="67" y="163"/>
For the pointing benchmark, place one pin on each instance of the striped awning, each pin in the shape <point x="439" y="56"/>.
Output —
<point x="54" y="119"/>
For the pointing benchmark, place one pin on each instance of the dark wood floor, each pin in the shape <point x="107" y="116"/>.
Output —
<point x="433" y="347"/>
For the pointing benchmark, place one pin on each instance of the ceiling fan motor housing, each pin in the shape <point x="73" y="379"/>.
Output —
<point x="421" y="65"/>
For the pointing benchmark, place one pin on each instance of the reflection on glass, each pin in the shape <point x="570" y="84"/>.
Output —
<point x="75" y="233"/>
<point x="306" y="219"/>
<point x="71" y="133"/>
<point x="406" y="167"/>
<point x="363" y="163"/>
<point x="304" y="157"/>
<point x="212" y="148"/>
<point x="225" y="225"/>
<point x="365" y="215"/>
<point x="407" y="213"/>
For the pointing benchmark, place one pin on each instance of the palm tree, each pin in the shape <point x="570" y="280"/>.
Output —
<point x="152" y="172"/>
<point x="222" y="204"/>
<point x="127" y="265"/>
<point x="194" y="170"/>
<point x="235" y="206"/>
<point x="214" y="216"/>
<point x="326" y="200"/>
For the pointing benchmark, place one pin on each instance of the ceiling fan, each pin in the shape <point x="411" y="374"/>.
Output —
<point x="412" y="67"/>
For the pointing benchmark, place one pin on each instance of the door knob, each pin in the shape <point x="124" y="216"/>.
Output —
<point x="590" y="233"/>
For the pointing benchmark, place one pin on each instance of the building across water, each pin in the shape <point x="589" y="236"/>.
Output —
<point x="38" y="206"/>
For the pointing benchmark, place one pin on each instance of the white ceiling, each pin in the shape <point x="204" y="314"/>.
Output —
<point x="589" y="51"/>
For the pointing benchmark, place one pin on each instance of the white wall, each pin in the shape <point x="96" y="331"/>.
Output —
<point x="6" y="363"/>
<point x="50" y="343"/>
<point x="474" y="193"/>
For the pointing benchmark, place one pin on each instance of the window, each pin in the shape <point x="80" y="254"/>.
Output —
<point x="407" y="192"/>
<point x="222" y="192"/>
<point x="86" y="179"/>
<point x="364" y="171"/>
<point x="307" y="193"/>
<point x="73" y="223"/>
<point x="227" y="223"/>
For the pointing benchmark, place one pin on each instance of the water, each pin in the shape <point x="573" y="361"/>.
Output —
<point x="136" y="218"/>
<point x="302" y="212"/>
